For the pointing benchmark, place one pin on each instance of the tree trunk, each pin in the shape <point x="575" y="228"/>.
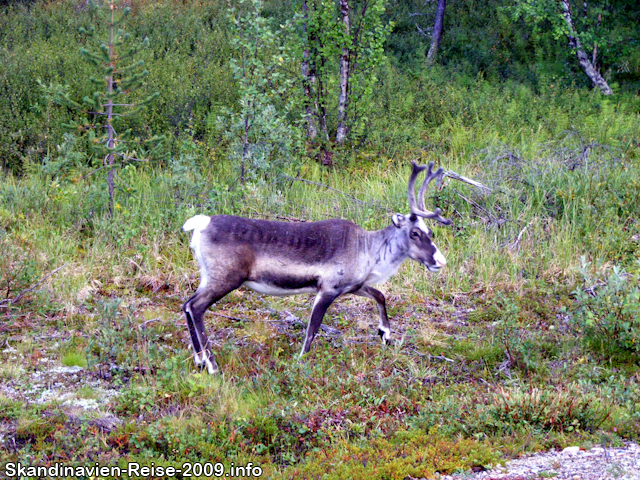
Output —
<point x="245" y="148"/>
<point x="111" y="133"/>
<point x="309" y="79"/>
<point x="321" y="104"/>
<point x="583" y="59"/>
<point x="437" y="33"/>
<point x="341" y="134"/>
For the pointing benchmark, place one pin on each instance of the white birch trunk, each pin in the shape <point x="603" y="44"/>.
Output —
<point x="341" y="134"/>
<point x="583" y="58"/>
<point x="309" y="80"/>
<point x="437" y="33"/>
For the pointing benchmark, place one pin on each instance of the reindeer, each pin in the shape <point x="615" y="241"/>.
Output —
<point x="329" y="258"/>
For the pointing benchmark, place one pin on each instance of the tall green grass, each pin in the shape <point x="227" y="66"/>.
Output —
<point x="555" y="197"/>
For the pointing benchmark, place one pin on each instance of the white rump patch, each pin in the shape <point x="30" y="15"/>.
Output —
<point x="197" y="224"/>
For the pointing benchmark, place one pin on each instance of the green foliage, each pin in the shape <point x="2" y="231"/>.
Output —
<point x="516" y="411"/>
<point x="286" y="439"/>
<point x="10" y="409"/>
<point x="112" y="334"/>
<point x="73" y="358"/>
<point x="19" y="269"/>
<point x="261" y="140"/>
<point x="599" y="25"/>
<point x="69" y="162"/>
<point x="117" y="328"/>
<point x="366" y="47"/>
<point x="497" y="40"/>
<point x="409" y="453"/>
<point x="593" y="22"/>
<point x="107" y="136"/>
<point x="186" y="178"/>
<point x="323" y="39"/>
<point x="188" y="62"/>
<point x="540" y="12"/>
<point x="608" y="312"/>
<point x="136" y="399"/>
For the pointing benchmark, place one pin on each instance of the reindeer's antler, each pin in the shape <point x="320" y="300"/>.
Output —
<point x="418" y="208"/>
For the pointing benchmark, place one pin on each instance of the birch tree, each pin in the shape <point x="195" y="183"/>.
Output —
<point x="262" y="141"/>
<point x="341" y="39"/>
<point x="309" y="76"/>
<point x="341" y="133"/>
<point x="583" y="58"/>
<point x="559" y="14"/>
<point x="436" y="35"/>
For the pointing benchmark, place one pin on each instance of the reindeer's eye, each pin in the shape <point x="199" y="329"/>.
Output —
<point x="415" y="234"/>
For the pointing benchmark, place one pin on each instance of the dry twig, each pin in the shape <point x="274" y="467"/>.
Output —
<point x="515" y="245"/>
<point x="456" y="176"/>
<point x="13" y="301"/>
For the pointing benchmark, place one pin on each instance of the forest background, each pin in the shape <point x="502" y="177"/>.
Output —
<point x="114" y="132"/>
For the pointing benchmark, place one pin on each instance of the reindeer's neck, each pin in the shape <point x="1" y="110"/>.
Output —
<point x="388" y="250"/>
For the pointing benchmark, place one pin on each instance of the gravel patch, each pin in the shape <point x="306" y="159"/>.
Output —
<point x="71" y="386"/>
<point x="572" y="463"/>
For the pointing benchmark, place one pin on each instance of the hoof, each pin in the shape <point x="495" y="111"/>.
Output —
<point x="203" y="361"/>
<point x="385" y="336"/>
<point x="212" y="367"/>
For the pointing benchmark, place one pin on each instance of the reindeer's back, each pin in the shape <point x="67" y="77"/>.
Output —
<point x="304" y="242"/>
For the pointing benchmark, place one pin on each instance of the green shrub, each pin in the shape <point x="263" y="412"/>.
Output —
<point x="608" y="312"/>
<point x="18" y="269"/>
<point x="505" y="411"/>
<point x="68" y="162"/>
<point x="560" y="410"/>
<point x="73" y="359"/>
<point x="407" y="454"/>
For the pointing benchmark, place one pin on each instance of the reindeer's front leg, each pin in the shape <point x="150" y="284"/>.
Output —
<point x="384" y="328"/>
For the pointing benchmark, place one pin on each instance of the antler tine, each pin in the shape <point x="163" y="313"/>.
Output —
<point x="419" y="207"/>
<point x="416" y="169"/>
<point x="423" y="188"/>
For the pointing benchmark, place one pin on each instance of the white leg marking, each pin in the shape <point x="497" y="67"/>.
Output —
<point x="197" y="360"/>
<point x="386" y="337"/>
<point x="211" y="368"/>
<point x="303" y="344"/>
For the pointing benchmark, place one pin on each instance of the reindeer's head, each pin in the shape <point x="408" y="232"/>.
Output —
<point x="420" y="237"/>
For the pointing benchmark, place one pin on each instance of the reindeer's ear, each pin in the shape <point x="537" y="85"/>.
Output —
<point x="398" y="220"/>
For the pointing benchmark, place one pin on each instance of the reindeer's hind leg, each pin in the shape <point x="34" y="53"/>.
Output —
<point x="384" y="328"/>
<point x="195" y="341"/>
<point x="320" y="305"/>
<point x="194" y="309"/>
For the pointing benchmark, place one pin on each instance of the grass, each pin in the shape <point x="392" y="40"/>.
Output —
<point x="490" y="360"/>
<point x="74" y="359"/>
